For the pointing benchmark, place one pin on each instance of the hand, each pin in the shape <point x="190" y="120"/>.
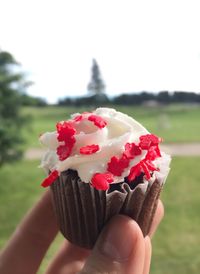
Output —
<point x="120" y="248"/>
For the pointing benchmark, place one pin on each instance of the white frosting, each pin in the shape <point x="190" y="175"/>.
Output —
<point x="163" y="165"/>
<point x="111" y="139"/>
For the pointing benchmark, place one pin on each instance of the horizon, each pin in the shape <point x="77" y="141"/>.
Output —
<point x="192" y="98"/>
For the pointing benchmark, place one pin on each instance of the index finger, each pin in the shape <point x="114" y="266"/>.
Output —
<point x="29" y="243"/>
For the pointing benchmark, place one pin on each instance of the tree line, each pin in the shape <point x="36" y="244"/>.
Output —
<point x="144" y="97"/>
<point x="162" y="97"/>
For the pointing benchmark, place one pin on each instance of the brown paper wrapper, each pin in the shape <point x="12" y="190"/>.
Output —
<point x="82" y="211"/>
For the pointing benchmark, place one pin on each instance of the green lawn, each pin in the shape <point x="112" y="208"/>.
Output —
<point x="176" y="246"/>
<point x="177" y="243"/>
<point x="175" y="123"/>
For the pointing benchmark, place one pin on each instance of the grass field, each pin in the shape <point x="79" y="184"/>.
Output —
<point x="175" y="123"/>
<point x="176" y="246"/>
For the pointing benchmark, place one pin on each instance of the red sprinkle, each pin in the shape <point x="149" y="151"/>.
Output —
<point x="50" y="179"/>
<point x="97" y="120"/>
<point x="78" y="118"/>
<point x="109" y="177"/>
<point x="132" y="150"/>
<point x="148" y="140"/>
<point x="145" y="170"/>
<point x="66" y="133"/>
<point x="101" y="181"/>
<point x="150" y="165"/>
<point x="144" y="166"/>
<point x="134" y="172"/>
<point x="89" y="149"/>
<point x="153" y="153"/>
<point x="65" y="130"/>
<point x="117" y="165"/>
<point x="63" y="152"/>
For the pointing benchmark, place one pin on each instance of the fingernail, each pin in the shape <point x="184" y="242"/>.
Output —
<point x="118" y="239"/>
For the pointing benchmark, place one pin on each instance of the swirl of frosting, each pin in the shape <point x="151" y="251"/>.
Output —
<point x="97" y="144"/>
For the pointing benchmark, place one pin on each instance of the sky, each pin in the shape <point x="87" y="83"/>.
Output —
<point x="140" y="45"/>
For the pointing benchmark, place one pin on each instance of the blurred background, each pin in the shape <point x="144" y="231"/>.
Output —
<point x="140" y="57"/>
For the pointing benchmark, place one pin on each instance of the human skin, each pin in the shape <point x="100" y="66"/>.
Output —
<point x="120" y="248"/>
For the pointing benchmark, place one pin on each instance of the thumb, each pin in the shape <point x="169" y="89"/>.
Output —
<point x="119" y="249"/>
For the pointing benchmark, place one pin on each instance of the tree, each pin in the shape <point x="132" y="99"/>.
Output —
<point x="96" y="85"/>
<point x="164" y="97"/>
<point x="11" y="121"/>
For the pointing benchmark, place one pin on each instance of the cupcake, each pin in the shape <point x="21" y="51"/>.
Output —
<point x="100" y="164"/>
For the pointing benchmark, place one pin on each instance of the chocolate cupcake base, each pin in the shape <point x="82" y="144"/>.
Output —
<point x="82" y="211"/>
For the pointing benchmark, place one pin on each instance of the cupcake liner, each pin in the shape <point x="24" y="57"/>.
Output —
<point x="141" y="204"/>
<point x="82" y="211"/>
<point x="149" y="207"/>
